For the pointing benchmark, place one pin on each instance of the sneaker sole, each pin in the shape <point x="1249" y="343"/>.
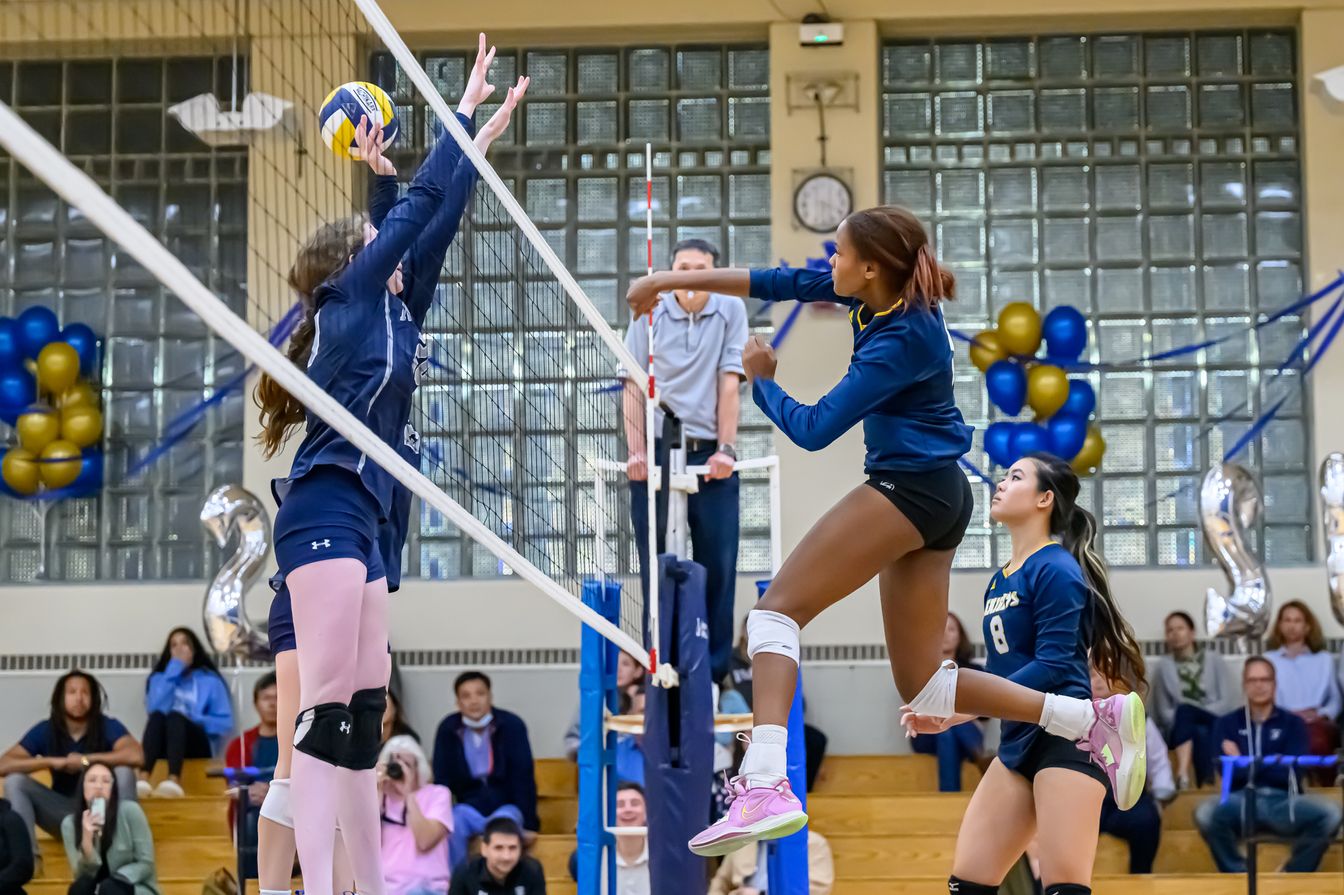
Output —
<point x="1133" y="773"/>
<point x="776" y="827"/>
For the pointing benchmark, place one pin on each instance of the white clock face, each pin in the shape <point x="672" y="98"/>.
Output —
<point x="821" y="202"/>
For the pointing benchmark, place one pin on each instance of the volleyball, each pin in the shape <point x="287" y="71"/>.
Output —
<point x="342" y="109"/>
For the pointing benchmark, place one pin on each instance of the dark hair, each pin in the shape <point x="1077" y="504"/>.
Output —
<point x="696" y="245"/>
<point x="503" y="826"/>
<point x="1315" y="637"/>
<point x="1115" y="650"/>
<point x="893" y="238"/>
<point x="94" y="732"/>
<point x="625" y="699"/>
<point x="630" y="784"/>
<point x="400" y="726"/>
<point x="965" y="649"/>
<point x="109" y="816"/>
<point x="266" y="680"/>
<point x="467" y="677"/>
<point x="1181" y="614"/>
<point x="1252" y="660"/>
<point x="200" y="659"/>
<point x="325" y="254"/>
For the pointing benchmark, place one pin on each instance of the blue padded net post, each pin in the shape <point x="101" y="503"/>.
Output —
<point x="598" y="659"/>
<point x="786" y="861"/>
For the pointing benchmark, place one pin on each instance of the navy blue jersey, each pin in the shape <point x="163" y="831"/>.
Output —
<point x="1038" y="629"/>
<point x="368" y="352"/>
<point x="899" y="382"/>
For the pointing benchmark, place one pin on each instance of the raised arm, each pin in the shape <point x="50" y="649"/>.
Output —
<point x="644" y="293"/>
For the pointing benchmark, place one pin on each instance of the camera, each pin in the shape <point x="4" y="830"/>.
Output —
<point x="394" y="770"/>
<point x="98" y="808"/>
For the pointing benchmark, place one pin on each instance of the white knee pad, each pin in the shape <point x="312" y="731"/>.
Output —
<point x="938" y="699"/>
<point x="772" y="632"/>
<point x="275" y="807"/>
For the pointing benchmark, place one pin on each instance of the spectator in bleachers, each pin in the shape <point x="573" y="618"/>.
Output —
<point x="394" y="720"/>
<point x="483" y="755"/>
<point x="1192" y="688"/>
<point x="965" y="742"/>
<point x="1263" y="728"/>
<point x="75" y="735"/>
<point x="257" y="748"/>
<point x="501" y="868"/>
<point x="417" y="816"/>
<point x="632" y="852"/>
<point x="630" y="746"/>
<point x="1306" y="675"/>
<point x="628" y="671"/>
<point x="107" y="840"/>
<point x="189" y="710"/>
<point x="16" y="851"/>
<point x="1141" y="826"/>
<point x="745" y="872"/>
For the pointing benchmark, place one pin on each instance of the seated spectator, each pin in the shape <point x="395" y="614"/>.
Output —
<point x="501" y="868"/>
<point x="483" y="755"/>
<point x="965" y="742"/>
<point x="632" y="852"/>
<point x="255" y="748"/>
<point x="1141" y="826"/>
<point x="394" y="720"/>
<point x="1264" y="728"/>
<point x="630" y="746"/>
<point x="16" y="852"/>
<point x="188" y="707"/>
<point x="628" y="671"/>
<point x="1192" y="689"/>
<point x="1306" y="675"/>
<point x="74" y="736"/>
<point x="744" y="872"/>
<point x="107" y="840"/>
<point x="417" y="817"/>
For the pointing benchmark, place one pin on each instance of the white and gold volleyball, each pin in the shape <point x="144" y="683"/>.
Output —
<point x="342" y="109"/>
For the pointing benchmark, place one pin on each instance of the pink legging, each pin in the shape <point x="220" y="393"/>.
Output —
<point x="337" y="615"/>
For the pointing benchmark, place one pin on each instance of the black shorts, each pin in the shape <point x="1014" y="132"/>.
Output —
<point x="937" y="502"/>
<point x="1050" y="751"/>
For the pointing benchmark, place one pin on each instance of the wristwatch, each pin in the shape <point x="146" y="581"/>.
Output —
<point x="729" y="449"/>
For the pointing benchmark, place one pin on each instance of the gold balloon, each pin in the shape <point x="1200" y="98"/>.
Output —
<point x="1019" y="328"/>
<point x="19" y="471"/>
<point x="1089" y="455"/>
<point x="1047" y="390"/>
<point x="79" y="394"/>
<point x="986" y="349"/>
<point x="38" y="428"/>
<point x="61" y="464"/>
<point x="57" y="367"/>
<point x="81" y="425"/>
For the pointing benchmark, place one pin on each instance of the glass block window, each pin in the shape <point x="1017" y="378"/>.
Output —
<point x="574" y="156"/>
<point x="1153" y="182"/>
<point x="109" y="117"/>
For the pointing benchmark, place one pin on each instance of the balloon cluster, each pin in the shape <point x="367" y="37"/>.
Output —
<point x="46" y="397"/>
<point x="1015" y="377"/>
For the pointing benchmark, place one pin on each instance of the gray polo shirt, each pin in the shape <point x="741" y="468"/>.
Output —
<point x="690" y="351"/>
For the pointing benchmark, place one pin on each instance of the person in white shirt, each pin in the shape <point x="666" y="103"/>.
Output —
<point x="1306" y="675"/>
<point x="632" y="852"/>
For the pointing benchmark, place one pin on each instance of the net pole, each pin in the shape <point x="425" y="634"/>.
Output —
<point x="650" y="436"/>
<point x="74" y="186"/>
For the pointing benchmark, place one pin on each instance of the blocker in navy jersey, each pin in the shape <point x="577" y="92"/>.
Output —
<point x="1038" y="627"/>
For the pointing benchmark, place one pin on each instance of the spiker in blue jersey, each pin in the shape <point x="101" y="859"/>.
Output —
<point x="342" y="109"/>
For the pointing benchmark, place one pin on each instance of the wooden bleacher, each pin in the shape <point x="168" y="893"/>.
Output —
<point x="891" y="831"/>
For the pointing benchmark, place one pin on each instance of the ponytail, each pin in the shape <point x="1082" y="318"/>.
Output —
<point x="893" y="238"/>
<point x="928" y="280"/>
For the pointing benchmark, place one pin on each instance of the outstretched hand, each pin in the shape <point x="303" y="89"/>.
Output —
<point x="499" y="122"/>
<point x="371" y="146"/>
<point x="478" y="88"/>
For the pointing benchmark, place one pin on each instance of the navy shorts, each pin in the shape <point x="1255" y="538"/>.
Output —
<point x="937" y="502"/>
<point x="280" y="624"/>
<point x="328" y="514"/>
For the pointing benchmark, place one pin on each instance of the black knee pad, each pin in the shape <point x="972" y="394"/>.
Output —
<point x="1068" y="889"/>
<point x="366" y="739"/>
<point x="962" y="887"/>
<point x="323" y="732"/>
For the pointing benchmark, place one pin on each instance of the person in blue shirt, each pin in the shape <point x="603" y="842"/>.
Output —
<point x="189" y="711"/>
<point x="901" y="526"/>
<point x="365" y="293"/>
<point x="1258" y="729"/>
<point x="1046" y="613"/>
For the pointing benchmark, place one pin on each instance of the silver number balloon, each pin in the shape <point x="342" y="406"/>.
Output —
<point x="1332" y="509"/>
<point x="1229" y="504"/>
<point x="227" y="510"/>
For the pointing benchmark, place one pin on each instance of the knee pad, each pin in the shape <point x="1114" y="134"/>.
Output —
<point x="1068" y="889"/>
<point x="275" y="807"/>
<point x="964" y="887"/>
<point x="366" y="738"/>
<point x="772" y="632"/>
<point x="938" y="699"/>
<point x="323" y="732"/>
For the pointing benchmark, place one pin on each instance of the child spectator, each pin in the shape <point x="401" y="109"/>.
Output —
<point x="107" y="840"/>
<point x="189" y="709"/>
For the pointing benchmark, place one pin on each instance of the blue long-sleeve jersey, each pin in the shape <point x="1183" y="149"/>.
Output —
<point x="1038" y="629"/>
<point x="899" y="382"/>
<point x="368" y="352"/>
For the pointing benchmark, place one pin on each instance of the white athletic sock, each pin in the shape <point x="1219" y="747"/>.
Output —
<point x="275" y="892"/>
<point x="1067" y="716"/>
<point x="766" y="760"/>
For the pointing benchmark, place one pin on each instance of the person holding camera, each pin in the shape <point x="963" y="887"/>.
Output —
<point x="107" y="840"/>
<point x="417" y="818"/>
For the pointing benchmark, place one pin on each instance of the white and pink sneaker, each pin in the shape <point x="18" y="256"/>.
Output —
<point x="756" y="813"/>
<point x="1117" y="743"/>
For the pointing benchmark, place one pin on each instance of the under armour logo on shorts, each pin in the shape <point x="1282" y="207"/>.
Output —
<point x="345" y="727"/>
<point x="888" y="485"/>
<point x="325" y="542"/>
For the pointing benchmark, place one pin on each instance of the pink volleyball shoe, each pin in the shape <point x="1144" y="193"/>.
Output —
<point x="1118" y="744"/>
<point x="756" y="813"/>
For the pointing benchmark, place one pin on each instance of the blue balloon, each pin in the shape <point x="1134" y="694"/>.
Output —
<point x="1029" y="438"/>
<point x="38" y="327"/>
<point x="85" y="342"/>
<point x="1066" y="435"/>
<point x="998" y="442"/>
<point x="1065" y="332"/>
<point x="18" y="389"/>
<point x="1081" y="400"/>
<point x="90" y="478"/>
<point x="11" y="352"/>
<point x="1006" y="383"/>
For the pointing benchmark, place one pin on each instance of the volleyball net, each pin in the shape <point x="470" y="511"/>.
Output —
<point x="197" y="215"/>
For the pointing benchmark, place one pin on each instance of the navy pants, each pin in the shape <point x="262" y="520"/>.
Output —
<point x="1140" y="827"/>
<point x="953" y="747"/>
<point x="1192" y="724"/>
<point x="713" y="516"/>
